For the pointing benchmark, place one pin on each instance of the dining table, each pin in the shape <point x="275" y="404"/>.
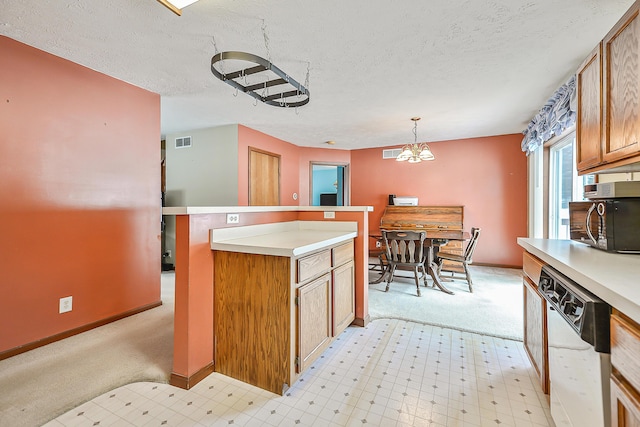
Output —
<point x="435" y="239"/>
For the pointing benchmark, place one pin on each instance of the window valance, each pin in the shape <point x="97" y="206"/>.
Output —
<point x="557" y="114"/>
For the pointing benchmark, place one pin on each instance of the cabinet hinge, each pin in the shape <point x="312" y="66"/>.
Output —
<point x="297" y="300"/>
<point x="297" y="362"/>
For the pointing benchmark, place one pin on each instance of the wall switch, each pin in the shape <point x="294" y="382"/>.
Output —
<point x="329" y="215"/>
<point x="66" y="304"/>
<point x="378" y="244"/>
<point x="233" y="218"/>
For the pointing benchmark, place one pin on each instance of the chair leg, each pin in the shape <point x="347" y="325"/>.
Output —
<point x="424" y="276"/>
<point x="415" y="275"/>
<point x="391" y="272"/>
<point x="468" y="274"/>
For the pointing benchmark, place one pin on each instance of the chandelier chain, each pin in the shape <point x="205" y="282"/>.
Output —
<point x="306" y="80"/>
<point x="266" y="40"/>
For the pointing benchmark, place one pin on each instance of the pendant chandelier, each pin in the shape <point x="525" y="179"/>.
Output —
<point x="415" y="153"/>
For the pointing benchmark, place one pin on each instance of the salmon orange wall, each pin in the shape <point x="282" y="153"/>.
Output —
<point x="294" y="165"/>
<point x="289" y="164"/>
<point x="486" y="175"/>
<point x="80" y="196"/>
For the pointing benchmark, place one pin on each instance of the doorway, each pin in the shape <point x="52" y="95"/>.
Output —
<point x="264" y="178"/>
<point x="329" y="184"/>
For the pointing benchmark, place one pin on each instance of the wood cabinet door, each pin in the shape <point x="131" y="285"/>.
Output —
<point x="343" y="297"/>
<point x="314" y="320"/>
<point x="625" y="404"/>
<point x="264" y="178"/>
<point x="589" y="115"/>
<point x="622" y="77"/>
<point x="535" y="332"/>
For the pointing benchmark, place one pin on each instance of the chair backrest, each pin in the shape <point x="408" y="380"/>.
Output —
<point x="404" y="247"/>
<point x="471" y="246"/>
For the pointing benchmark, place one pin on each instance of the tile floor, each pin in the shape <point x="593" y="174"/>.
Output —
<point x="391" y="373"/>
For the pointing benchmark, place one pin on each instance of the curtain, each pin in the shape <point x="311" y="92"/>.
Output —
<point x="557" y="114"/>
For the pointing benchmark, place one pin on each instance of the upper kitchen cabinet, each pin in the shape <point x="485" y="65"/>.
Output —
<point x="622" y="76"/>
<point x="608" y="88"/>
<point x="589" y="114"/>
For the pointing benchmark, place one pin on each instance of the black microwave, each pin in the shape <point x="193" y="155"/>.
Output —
<point x="612" y="225"/>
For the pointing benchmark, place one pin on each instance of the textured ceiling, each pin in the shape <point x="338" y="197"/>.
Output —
<point x="469" y="68"/>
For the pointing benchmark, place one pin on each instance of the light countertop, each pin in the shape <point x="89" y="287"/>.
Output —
<point x="291" y="239"/>
<point x="196" y="210"/>
<point x="613" y="277"/>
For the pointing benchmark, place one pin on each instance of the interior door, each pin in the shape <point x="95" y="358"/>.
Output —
<point x="264" y="178"/>
<point x="328" y="184"/>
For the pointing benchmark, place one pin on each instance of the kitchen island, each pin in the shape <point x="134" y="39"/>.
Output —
<point x="193" y="336"/>
<point x="283" y="293"/>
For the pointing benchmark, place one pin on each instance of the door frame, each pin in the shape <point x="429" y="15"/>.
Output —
<point x="279" y="157"/>
<point x="346" y="194"/>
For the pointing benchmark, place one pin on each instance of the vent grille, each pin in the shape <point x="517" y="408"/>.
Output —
<point x="183" y="142"/>
<point x="391" y="154"/>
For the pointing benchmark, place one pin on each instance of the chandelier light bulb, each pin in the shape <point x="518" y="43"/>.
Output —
<point x="415" y="153"/>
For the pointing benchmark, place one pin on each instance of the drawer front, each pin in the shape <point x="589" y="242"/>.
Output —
<point x="625" y="348"/>
<point x="342" y="253"/>
<point x="314" y="264"/>
<point x="532" y="266"/>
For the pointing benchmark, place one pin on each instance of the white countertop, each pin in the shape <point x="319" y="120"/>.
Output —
<point x="291" y="239"/>
<point x="613" y="277"/>
<point x="194" y="210"/>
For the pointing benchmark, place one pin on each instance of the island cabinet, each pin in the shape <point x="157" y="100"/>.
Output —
<point x="535" y="319"/>
<point x="608" y="92"/>
<point x="274" y="315"/>
<point x="625" y="371"/>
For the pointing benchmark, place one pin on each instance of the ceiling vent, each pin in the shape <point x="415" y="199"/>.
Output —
<point x="183" y="142"/>
<point x="391" y="154"/>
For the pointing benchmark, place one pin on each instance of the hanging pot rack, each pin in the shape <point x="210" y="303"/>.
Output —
<point x="294" y="94"/>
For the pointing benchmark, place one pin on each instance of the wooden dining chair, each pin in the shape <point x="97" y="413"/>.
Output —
<point x="405" y="250"/>
<point x="465" y="259"/>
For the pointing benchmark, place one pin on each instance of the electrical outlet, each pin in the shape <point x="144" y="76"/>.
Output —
<point x="66" y="304"/>
<point x="233" y="218"/>
<point x="329" y="215"/>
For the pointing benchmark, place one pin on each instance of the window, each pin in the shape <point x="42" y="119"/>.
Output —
<point x="564" y="185"/>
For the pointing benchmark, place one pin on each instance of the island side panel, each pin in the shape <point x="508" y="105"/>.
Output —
<point x="193" y="318"/>
<point x="252" y="311"/>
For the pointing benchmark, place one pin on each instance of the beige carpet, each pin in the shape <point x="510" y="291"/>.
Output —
<point x="494" y="308"/>
<point x="40" y="385"/>
<point x="44" y="383"/>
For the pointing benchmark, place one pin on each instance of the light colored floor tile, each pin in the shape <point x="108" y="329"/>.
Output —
<point x="390" y="373"/>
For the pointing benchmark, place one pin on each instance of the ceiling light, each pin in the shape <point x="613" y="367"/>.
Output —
<point x="415" y="153"/>
<point x="177" y="5"/>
